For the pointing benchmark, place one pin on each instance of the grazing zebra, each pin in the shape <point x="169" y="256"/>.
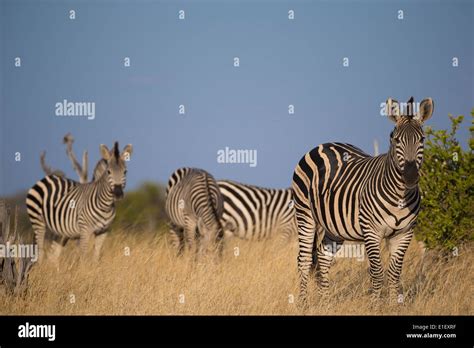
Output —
<point x="78" y="211"/>
<point x="194" y="205"/>
<point x="343" y="194"/>
<point x="251" y="212"/>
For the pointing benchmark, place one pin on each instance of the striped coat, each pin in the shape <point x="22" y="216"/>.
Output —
<point x="256" y="213"/>
<point x="343" y="194"/>
<point x="194" y="206"/>
<point x="71" y="210"/>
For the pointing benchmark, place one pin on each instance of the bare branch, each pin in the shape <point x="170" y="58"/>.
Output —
<point x="15" y="223"/>
<point x="85" y="164"/>
<point x="3" y="219"/>
<point x="376" y="147"/>
<point x="47" y="169"/>
<point x="80" y="170"/>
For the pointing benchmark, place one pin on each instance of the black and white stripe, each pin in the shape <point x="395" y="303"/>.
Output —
<point x="343" y="194"/>
<point x="194" y="206"/>
<point x="256" y="213"/>
<point x="78" y="211"/>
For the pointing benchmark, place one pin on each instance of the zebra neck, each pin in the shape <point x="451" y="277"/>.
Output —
<point x="392" y="182"/>
<point x="105" y="197"/>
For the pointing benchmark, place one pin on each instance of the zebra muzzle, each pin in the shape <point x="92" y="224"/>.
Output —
<point x="118" y="191"/>
<point x="410" y="174"/>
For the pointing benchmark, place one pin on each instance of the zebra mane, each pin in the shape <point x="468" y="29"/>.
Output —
<point x="410" y="109"/>
<point x="116" y="151"/>
<point x="99" y="169"/>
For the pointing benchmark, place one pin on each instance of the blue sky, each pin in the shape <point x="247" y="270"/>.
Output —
<point x="190" y="62"/>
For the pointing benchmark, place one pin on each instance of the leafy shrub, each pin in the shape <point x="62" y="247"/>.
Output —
<point x="447" y="188"/>
<point x="142" y="208"/>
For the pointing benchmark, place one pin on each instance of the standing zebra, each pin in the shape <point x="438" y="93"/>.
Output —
<point x="343" y="194"/>
<point x="194" y="205"/>
<point x="251" y="212"/>
<point x="78" y="211"/>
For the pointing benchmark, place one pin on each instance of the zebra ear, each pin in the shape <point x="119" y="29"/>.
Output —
<point x="426" y="110"/>
<point x="393" y="110"/>
<point x="105" y="152"/>
<point x="127" y="152"/>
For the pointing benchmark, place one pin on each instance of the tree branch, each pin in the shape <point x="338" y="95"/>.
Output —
<point x="47" y="169"/>
<point x="80" y="170"/>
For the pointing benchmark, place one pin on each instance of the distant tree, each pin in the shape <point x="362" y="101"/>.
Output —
<point x="81" y="170"/>
<point x="446" y="219"/>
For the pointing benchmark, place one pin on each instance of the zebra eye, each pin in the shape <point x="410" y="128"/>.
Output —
<point x="125" y="172"/>
<point x="109" y="172"/>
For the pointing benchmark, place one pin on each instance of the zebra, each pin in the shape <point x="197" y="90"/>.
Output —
<point x="71" y="210"/>
<point x="194" y="206"/>
<point x="99" y="169"/>
<point x="343" y="194"/>
<point x="256" y="213"/>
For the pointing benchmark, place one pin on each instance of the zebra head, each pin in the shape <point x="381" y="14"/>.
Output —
<point x="116" y="169"/>
<point x="406" y="140"/>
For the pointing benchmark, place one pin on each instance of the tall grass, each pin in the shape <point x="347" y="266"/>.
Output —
<point x="261" y="279"/>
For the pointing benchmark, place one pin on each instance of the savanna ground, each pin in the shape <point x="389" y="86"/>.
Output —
<point x="261" y="280"/>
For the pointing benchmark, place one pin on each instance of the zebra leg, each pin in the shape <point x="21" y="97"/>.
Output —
<point x="84" y="243"/>
<point x="306" y="239"/>
<point x="325" y="258"/>
<point x="176" y="235"/>
<point x="220" y="242"/>
<point x="98" y="242"/>
<point x="209" y="238"/>
<point x="56" y="249"/>
<point x="398" y="245"/>
<point x="314" y="264"/>
<point x="40" y="232"/>
<point x="190" y="233"/>
<point x="203" y="238"/>
<point x="372" y="247"/>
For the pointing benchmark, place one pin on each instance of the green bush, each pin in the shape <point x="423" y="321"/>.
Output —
<point x="142" y="208"/>
<point x="446" y="183"/>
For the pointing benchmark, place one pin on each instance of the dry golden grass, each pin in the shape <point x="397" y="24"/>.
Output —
<point x="259" y="281"/>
